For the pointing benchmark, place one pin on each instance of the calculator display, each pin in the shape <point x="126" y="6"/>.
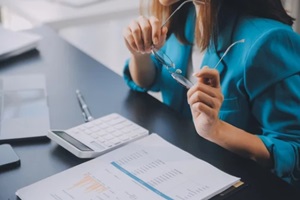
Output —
<point x="72" y="141"/>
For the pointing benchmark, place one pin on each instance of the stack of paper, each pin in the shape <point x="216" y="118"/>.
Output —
<point x="147" y="169"/>
<point x="15" y="43"/>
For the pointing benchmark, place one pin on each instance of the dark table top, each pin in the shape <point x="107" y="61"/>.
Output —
<point x="67" y="69"/>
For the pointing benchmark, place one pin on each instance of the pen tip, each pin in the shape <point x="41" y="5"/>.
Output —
<point x="77" y="91"/>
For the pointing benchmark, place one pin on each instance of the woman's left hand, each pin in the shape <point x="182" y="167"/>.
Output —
<point x="205" y="99"/>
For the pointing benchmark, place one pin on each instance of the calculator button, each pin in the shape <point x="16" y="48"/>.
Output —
<point x="97" y="145"/>
<point x="107" y="132"/>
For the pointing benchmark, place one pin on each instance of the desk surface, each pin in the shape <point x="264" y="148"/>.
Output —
<point x="102" y="40"/>
<point x="67" y="69"/>
<point x="57" y="15"/>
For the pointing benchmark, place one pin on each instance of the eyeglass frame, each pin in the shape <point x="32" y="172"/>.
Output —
<point x="175" y="73"/>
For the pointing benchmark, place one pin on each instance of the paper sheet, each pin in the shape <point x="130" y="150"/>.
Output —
<point x="149" y="168"/>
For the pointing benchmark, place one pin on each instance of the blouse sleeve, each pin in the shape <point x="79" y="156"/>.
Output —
<point x="128" y="79"/>
<point x="272" y="80"/>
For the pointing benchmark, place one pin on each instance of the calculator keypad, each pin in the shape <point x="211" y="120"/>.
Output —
<point x="107" y="132"/>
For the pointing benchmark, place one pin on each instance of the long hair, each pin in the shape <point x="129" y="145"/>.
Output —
<point x="176" y="24"/>
<point x="210" y="20"/>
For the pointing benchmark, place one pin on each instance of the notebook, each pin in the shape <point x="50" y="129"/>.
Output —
<point x="147" y="169"/>
<point x="14" y="43"/>
<point x="23" y="107"/>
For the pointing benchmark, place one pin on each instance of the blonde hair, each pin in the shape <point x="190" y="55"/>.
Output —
<point x="204" y="26"/>
<point x="176" y="24"/>
<point x="207" y="22"/>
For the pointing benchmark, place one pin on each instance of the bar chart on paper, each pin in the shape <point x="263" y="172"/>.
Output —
<point x="88" y="184"/>
<point x="149" y="168"/>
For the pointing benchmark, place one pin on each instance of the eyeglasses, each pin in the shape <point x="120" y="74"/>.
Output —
<point x="165" y="60"/>
<point x="176" y="73"/>
<point x="203" y="2"/>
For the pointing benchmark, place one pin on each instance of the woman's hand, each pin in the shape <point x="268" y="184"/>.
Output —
<point x="142" y="33"/>
<point x="205" y="99"/>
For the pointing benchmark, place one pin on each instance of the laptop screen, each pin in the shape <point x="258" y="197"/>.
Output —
<point x="24" y="109"/>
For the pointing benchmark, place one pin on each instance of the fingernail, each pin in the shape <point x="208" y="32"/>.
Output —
<point x="155" y="40"/>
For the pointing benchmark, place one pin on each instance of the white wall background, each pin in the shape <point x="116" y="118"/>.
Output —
<point x="293" y="8"/>
<point x="12" y="21"/>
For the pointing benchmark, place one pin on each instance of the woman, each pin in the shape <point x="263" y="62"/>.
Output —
<point x="142" y="71"/>
<point x="250" y="103"/>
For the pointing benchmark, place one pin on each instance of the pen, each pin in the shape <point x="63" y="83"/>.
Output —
<point x="84" y="108"/>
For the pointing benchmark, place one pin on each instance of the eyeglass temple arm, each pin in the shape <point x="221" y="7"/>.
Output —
<point x="227" y="50"/>
<point x="166" y="21"/>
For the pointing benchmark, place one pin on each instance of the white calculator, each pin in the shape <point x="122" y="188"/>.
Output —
<point x="99" y="136"/>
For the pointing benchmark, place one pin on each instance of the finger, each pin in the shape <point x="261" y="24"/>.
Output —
<point x="163" y="35"/>
<point x="131" y="47"/>
<point x="146" y="33"/>
<point x="129" y="40"/>
<point x="137" y="35"/>
<point x="164" y="31"/>
<point x="156" y="30"/>
<point x="200" y="97"/>
<point x="204" y="109"/>
<point x="207" y="89"/>
<point x="209" y="76"/>
<point x="200" y="108"/>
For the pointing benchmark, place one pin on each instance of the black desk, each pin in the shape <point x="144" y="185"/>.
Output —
<point x="67" y="69"/>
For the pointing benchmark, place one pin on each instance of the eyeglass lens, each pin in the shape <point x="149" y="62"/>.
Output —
<point x="182" y="80"/>
<point x="166" y="61"/>
<point x="163" y="58"/>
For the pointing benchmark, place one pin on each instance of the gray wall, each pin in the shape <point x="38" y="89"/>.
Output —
<point x="293" y="8"/>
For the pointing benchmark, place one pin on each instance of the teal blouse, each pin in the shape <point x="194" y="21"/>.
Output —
<point x="260" y="81"/>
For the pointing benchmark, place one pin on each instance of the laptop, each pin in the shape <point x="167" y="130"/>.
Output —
<point x="23" y="107"/>
<point x="14" y="43"/>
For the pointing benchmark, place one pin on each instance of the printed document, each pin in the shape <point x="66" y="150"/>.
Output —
<point x="149" y="168"/>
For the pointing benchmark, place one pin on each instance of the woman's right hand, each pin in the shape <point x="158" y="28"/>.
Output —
<point x="144" y="32"/>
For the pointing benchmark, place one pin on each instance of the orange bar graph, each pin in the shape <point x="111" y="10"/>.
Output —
<point x="89" y="184"/>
